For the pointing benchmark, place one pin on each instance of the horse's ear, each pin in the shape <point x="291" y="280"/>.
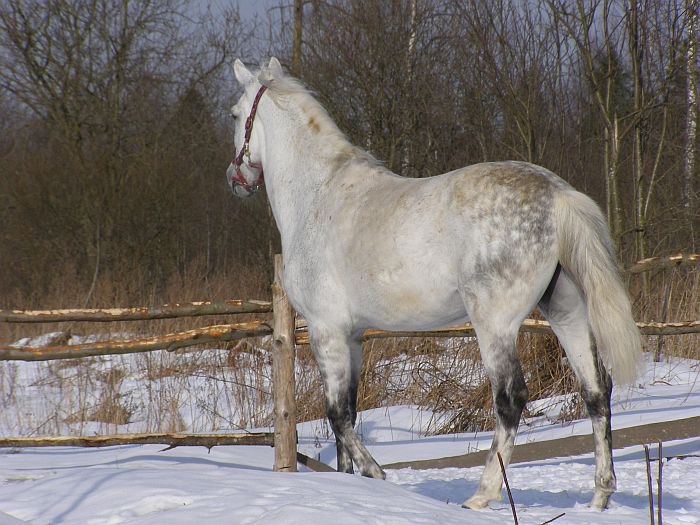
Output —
<point x="243" y="75"/>
<point x="275" y="68"/>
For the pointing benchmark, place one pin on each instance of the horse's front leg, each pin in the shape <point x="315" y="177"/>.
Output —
<point x="340" y="360"/>
<point x="343" y="454"/>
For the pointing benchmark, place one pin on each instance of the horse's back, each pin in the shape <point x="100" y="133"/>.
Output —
<point x="480" y="209"/>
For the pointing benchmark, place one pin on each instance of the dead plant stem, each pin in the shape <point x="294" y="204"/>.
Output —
<point x="510" y="495"/>
<point x="659" y="484"/>
<point x="650" y="492"/>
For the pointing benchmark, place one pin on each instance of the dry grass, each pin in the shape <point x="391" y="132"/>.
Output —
<point x="196" y="390"/>
<point x="674" y="295"/>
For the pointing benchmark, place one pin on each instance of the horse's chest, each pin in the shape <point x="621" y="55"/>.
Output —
<point x="308" y="287"/>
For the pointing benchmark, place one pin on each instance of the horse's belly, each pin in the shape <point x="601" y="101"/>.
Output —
<point x="406" y="308"/>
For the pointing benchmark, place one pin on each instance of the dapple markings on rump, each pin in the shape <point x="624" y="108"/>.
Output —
<point x="365" y="248"/>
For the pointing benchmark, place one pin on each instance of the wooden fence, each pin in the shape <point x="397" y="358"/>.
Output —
<point x="286" y="334"/>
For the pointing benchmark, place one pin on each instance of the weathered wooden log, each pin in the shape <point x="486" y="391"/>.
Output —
<point x="462" y="330"/>
<point x="208" y="334"/>
<point x="687" y="327"/>
<point x="234" y="332"/>
<point x="168" y="311"/>
<point x="529" y="325"/>
<point x="313" y="464"/>
<point x="174" y="440"/>
<point x="658" y="263"/>
<point x="283" y="381"/>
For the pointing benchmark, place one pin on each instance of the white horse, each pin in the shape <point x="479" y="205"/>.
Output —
<point x="363" y="247"/>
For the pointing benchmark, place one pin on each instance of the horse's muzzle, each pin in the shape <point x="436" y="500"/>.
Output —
<point x="238" y="181"/>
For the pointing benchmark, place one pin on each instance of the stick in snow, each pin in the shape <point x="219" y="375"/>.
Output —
<point x="651" y="494"/>
<point x="510" y="496"/>
<point x="659" y="484"/>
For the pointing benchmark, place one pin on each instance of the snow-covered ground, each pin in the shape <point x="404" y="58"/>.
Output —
<point x="236" y="485"/>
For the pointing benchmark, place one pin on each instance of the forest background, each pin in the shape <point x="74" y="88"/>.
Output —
<point x="115" y="134"/>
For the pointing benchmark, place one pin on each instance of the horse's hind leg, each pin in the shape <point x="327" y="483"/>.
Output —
<point x="499" y="355"/>
<point x="565" y="308"/>
<point x="339" y="359"/>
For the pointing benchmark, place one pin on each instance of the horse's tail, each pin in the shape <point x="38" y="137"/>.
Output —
<point x="586" y="252"/>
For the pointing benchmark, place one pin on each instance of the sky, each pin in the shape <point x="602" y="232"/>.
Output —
<point x="248" y="8"/>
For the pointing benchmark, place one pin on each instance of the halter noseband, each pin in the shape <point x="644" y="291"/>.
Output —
<point x="237" y="178"/>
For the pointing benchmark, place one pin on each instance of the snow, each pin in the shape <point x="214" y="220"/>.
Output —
<point x="148" y="485"/>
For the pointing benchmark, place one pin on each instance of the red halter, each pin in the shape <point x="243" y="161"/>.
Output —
<point x="237" y="177"/>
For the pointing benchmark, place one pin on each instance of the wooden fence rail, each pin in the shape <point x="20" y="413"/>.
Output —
<point x="172" y="440"/>
<point x="233" y="332"/>
<point x="106" y="315"/>
<point x="664" y="263"/>
<point x="174" y="341"/>
<point x="529" y="325"/>
<point x="285" y="454"/>
<point x="284" y="333"/>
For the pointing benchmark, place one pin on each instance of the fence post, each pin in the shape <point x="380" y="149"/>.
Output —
<point x="283" y="381"/>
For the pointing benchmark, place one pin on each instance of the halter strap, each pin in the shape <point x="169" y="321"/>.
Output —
<point x="238" y="178"/>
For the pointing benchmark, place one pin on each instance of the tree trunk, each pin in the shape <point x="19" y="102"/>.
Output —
<point x="296" y="44"/>
<point x="612" y="169"/>
<point x="635" y="50"/>
<point x="692" y="113"/>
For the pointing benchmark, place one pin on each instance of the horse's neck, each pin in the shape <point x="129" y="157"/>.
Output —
<point x="297" y="169"/>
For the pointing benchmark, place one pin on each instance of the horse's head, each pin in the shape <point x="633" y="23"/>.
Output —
<point x="245" y="173"/>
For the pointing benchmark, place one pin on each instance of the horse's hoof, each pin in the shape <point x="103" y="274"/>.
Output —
<point x="600" y="500"/>
<point x="375" y="472"/>
<point x="476" y="503"/>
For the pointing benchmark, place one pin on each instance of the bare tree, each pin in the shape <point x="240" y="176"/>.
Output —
<point x="298" y="33"/>
<point x="115" y="179"/>
<point x="581" y="20"/>
<point x="691" y="60"/>
<point x="512" y="52"/>
<point x="655" y="34"/>
<point x="376" y="64"/>
<point x="112" y="141"/>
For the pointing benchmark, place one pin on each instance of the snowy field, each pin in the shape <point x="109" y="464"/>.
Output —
<point x="236" y="485"/>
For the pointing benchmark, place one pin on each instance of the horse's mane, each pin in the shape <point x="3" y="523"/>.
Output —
<point x="285" y="88"/>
